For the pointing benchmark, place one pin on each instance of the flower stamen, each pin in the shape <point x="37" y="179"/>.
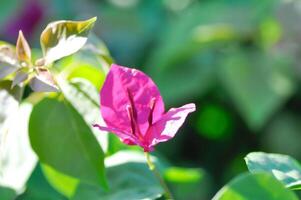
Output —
<point x="129" y="110"/>
<point x="152" y="107"/>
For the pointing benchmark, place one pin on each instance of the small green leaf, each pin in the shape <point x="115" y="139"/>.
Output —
<point x="61" y="139"/>
<point x="63" y="38"/>
<point x="129" y="178"/>
<point x="254" y="187"/>
<point x="284" y="168"/>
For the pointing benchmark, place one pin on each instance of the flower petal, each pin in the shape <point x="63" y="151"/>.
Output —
<point x="169" y="124"/>
<point x="124" y="137"/>
<point x="125" y="87"/>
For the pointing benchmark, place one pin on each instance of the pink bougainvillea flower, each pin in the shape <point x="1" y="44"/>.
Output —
<point x="133" y="109"/>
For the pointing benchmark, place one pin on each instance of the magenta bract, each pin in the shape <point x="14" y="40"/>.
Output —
<point x="133" y="109"/>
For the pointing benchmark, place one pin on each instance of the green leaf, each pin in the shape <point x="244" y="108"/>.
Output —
<point x="7" y="193"/>
<point x="129" y="178"/>
<point x="282" y="134"/>
<point x="97" y="47"/>
<point x="185" y="183"/>
<point x="284" y="168"/>
<point x="254" y="187"/>
<point x="85" y="98"/>
<point x="38" y="188"/>
<point x="182" y="175"/>
<point x="17" y="159"/>
<point x="61" y="139"/>
<point x="63" y="183"/>
<point x="63" y="38"/>
<point x="85" y="65"/>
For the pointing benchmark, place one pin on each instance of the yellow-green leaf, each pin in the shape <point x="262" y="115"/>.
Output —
<point x="63" y="38"/>
<point x="23" y="49"/>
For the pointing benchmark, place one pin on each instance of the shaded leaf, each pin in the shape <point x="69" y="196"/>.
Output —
<point x="284" y="168"/>
<point x="7" y="193"/>
<point x="129" y="178"/>
<point x="282" y="134"/>
<point x="258" y="83"/>
<point x="63" y="38"/>
<point x="62" y="131"/>
<point x="22" y="49"/>
<point x="254" y="187"/>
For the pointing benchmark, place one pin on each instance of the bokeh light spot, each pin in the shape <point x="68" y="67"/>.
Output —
<point x="214" y="122"/>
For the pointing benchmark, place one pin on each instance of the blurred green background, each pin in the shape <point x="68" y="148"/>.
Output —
<point x="238" y="60"/>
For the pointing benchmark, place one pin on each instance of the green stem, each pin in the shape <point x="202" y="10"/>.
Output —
<point x="152" y="167"/>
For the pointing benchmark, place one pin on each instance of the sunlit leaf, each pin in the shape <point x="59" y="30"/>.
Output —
<point x="182" y="175"/>
<point x="37" y="188"/>
<point x="9" y="101"/>
<point x="85" y="98"/>
<point x="84" y="64"/>
<point x="43" y="81"/>
<point x="254" y="187"/>
<point x="23" y="50"/>
<point x="8" y="60"/>
<point x="129" y="178"/>
<point x="17" y="160"/>
<point x="185" y="183"/>
<point x="63" y="38"/>
<point x="284" y="168"/>
<point x="62" y="140"/>
<point x="61" y="182"/>
<point x="96" y="46"/>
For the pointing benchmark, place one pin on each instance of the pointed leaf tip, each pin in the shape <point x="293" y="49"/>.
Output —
<point x="23" y="49"/>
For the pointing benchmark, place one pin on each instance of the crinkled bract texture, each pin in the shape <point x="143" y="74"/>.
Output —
<point x="133" y="109"/>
